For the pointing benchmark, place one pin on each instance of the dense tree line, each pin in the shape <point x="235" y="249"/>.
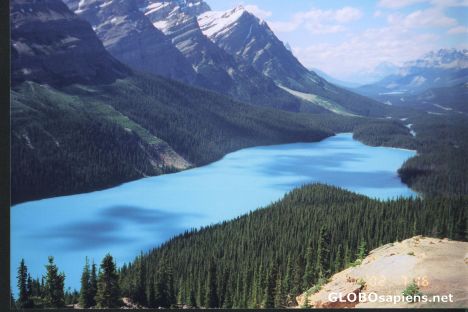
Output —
<point x="268" y="257"/>
<point x="263" y="259"/>
<point x="99" y="289"/>
<point x="440" y="168"/>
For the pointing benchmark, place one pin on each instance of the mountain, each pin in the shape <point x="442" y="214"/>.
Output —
<point x="269" y="256"/>
<point x="246" y="37"/>
<point x="437" y="69"/>
<point x="49" y="44"/>
<point x="82" y="121"/>
<point x="182" y="52"/>
<point x="131" y="38"/>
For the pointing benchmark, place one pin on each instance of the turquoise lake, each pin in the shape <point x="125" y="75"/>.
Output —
<point x="139" y="215"/>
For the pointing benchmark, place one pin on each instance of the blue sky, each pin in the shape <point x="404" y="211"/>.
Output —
<point x="347" y="37"/>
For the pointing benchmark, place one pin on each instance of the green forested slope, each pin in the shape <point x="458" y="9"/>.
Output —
<point x="79" y="138"/>
<point x="267" y="257"/>
<point x="440" y="168"/>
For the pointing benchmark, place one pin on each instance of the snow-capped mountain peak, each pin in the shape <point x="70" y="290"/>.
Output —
<point x="214" y="23"/>
<point x="443" y="58"/>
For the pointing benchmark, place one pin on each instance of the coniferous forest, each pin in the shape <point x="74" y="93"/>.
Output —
<point x="263" y="259"/>
<point x="107" y="92"/>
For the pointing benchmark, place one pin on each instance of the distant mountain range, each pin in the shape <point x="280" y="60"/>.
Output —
<point x="233" y="53"/>
<point x="420" y="80"/>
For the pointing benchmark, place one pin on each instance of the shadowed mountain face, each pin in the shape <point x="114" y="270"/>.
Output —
<point x="50" y="45"/>
<point x="217" y="70"/>
<point x="131" y="38"/>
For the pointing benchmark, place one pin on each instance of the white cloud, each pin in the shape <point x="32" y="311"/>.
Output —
<point x="319" y="21"/>
<point x="458" y="30"/>
<point x="364" y="51"/>
<point x="257" y="11"/>
<point x="347" y="14"/>
<point x="433" y="17"/>
<point x="378" y="13"/>
<point x="397" y="4"/>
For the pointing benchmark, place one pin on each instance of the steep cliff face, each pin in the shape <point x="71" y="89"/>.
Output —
<point x="131" y="38"/>
<point x="218" y="70"/>
<point x="51" y="45"/>
<point x="436" y="266"/>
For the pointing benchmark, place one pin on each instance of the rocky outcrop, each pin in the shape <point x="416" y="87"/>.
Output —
<point x="51" y="45"/>
<point x="437" y="266"/>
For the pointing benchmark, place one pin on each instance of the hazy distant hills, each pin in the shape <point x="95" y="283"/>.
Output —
<point x="420" y="81"/>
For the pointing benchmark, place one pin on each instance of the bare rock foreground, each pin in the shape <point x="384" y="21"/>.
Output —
<point x="437" y="266"/>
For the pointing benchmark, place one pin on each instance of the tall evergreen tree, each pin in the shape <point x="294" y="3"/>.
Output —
<point x="139" y="294"/>
<point x="85" y="294"/>
<point x="93" y="285"/>
<point x="212" y="300"/>
<point x="23" y="299"/>
<point x="54" y="294"/>
<point x="361" y="254"/>
<point x="151" y="294"/>
<point x="269" y="301"/>
<point x="108" y="291"/>
<point x="309" y="271"/>
<point x="323" y="253"/>
<point x="280" y="300"/>
<point x="192" y="299"/>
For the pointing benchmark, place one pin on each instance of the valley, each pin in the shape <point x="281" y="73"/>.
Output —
<point x="193" y="152"/>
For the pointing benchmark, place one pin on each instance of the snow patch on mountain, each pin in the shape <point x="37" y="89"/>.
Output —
<point x="214" y="23"/>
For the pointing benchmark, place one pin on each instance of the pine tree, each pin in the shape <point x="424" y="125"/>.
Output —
<point x="151" y="295"/>
<point x="164" y="291"/>
<point x="279" y="293"/>
<point x="139" y="295"/>
<point x="23" y="299"/>
<point x="30" y="287"/>
<point x="338" y="260"/>
<point x="192" y="300"/>
<point x="54" y="295"/>
<point x="212" y="300"/>
<point x="288" y="278"/>
<point x="85" y="295"/>
<point x="323" y="253"/>
<point x="309" y="272"/>
<point x="361" y="254"/>
<point x="108" y="291"/>
<point x="298" y="274"/>
<point x="269" y="301"/>
<point x="228" y="303"/>
<point x="93" y="285"/>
